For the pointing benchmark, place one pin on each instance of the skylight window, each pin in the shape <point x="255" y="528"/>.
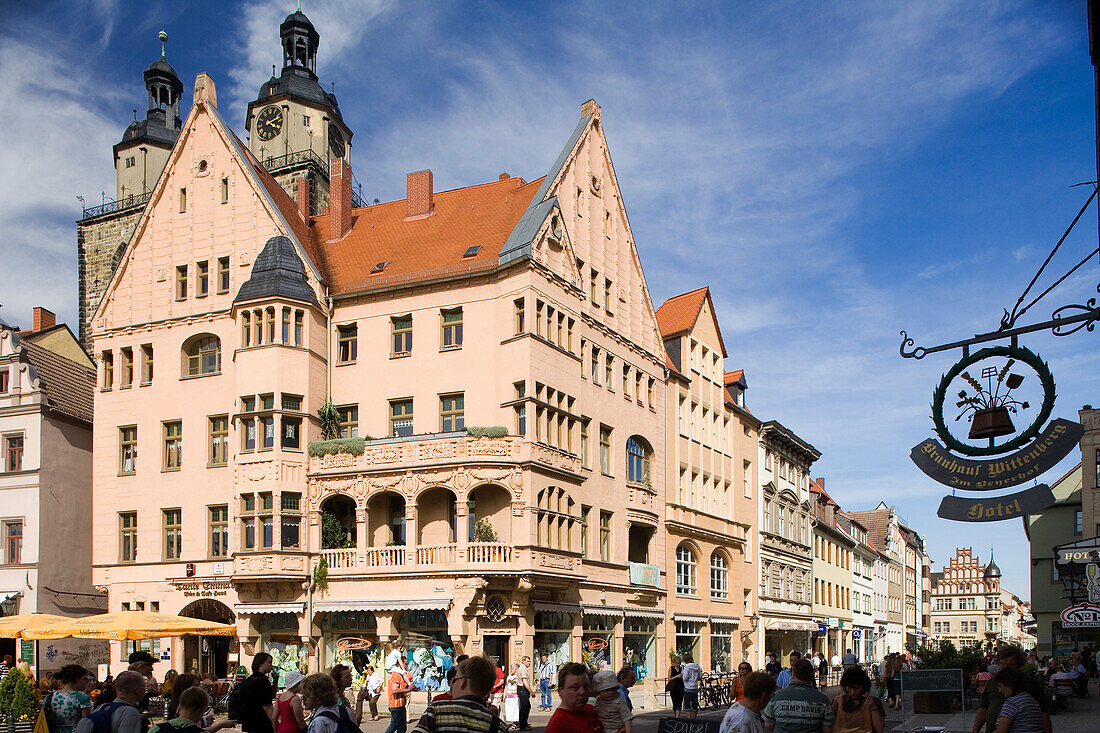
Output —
<point x="471" y="251"/>
<point x="379" y="267"/>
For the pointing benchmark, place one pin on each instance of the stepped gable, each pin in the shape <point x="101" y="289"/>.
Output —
<point x="425" y="247"/>
<point x="277" y="273"/>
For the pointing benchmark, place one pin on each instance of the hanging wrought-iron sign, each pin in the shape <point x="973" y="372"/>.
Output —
<point x="991" y="411"/>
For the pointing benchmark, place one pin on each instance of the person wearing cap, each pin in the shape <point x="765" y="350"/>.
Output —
<point x="289" y="716"/>
<point x="142" y="662"/>
<point x="614" y="714"/>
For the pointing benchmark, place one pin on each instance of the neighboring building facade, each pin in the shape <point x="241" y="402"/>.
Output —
<point x="710" y="480"/>
<point x="1090" y="472"/>
<point x="786" y="541"/>
<point x="1056" y="525"/>
<point x="531" y="313"/>
<point x="966" y="600"/>
<point x="911" y="589"/>
<point x="885" y="534"/>
<point x="832" y="574"/>
<point x="864" y="558"/>
<point x="46" y="384"/>
<point x="880" y="604"/>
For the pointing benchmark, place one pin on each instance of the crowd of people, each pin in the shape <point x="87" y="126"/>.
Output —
<point x="482" y="697"/>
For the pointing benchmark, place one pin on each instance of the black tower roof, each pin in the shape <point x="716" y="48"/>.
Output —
<point x="162" y="123"/>
<point x="991" y="570"/>
<point x="298" y="79"/>
<point x="277" y="273"/>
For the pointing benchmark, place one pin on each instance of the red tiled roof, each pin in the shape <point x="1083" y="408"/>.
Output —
<point x="734" y="376"/>
<point x="426" y="247"/>
<point x="68" y="385"/>
<point x="678" y="314"/>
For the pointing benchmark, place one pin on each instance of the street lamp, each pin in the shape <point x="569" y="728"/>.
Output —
<point x="10" y="604"/>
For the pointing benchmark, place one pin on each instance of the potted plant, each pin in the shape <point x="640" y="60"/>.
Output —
<point x="17" y="701"/>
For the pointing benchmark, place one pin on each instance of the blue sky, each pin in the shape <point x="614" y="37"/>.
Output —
<point x="835" y="172"/>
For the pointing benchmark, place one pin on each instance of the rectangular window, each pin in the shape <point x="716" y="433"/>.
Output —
<point x="127" y="444"/>
<point x="605" y="536"/>
<point x="595" y="365"/>
<point x="626" y="381"/>
<point x="286" y="325"/>
<point x="585" y="511"/>
<point x="223" y="274"/>
<point x="219" y="531"/>
<point x="219" y="441"/>
<point x="267" y="432"/>
<point x="290" y="521"/>
<point x="183" y="200"/>
<point x="401" y="418"/>
<point x="146" y="364"/>
<point x="594" y="282"/>
<point x="13" y="542"/>
<point x="127" y="536"/>
<point x="1078" y="522"/>
<point x="181" y="282"/>
<point x="202" y="279"/>
<point x="107" y="360"/>
<point x="248" y="424"/>
<point x="517" y="306"/>
<point x="173" y="534"/>
<point x="402" y="330"/>
<point x="127" y="375"/>
<point x="607" y="296"/>
<point x="349" y="421"/>
<point x="451" y="413"/>
<point x="609" y="366"/>
<point x="269" y="319"/>
<point x="173" y="445"/>
<point x="291" y="436"/>
<point x="521" y="409"/>
<point x="13" y="453"/>
<point x="346" y="343"/>
<point x="605" y="450"/>
<point x="299" y="324"/>
<point x="225" y="190"/>
<point x="584" y="444"/>
<point x="4" y="381"/>
<point x="452" y="329"/>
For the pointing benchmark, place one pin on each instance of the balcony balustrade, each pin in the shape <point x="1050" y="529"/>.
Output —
<point x="399" y="557"/>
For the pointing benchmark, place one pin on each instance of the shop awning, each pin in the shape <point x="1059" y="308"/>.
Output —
<point x="257" y="609"/>
<point x="783" y="624"/>
<point x="385" y="604"/>
<point x="644" y="613"/>
<point x="726" y="620"/>
<point x="690" y="617"/>
<point x="613" y="611"/>
<point x="557" y="607"/>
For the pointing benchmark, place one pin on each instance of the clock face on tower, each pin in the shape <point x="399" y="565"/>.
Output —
<point x="269" y="122"/>
<point x="335" y="141"/>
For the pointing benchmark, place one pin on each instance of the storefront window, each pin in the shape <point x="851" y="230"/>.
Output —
<point x="721" y="647"/>
<point x="351" y="638"/>
<point x="428" y="646"/>
<point x="688" y="638"/>
<point x="553" y="631"/>
<point x="279" y="638"/>
<point x="597" y="641"/>
<point x="639" y="642"/>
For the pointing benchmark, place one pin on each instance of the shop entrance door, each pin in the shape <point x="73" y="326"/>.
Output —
<point x="496" y="648"/>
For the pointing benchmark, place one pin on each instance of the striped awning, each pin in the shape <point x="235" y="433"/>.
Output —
<point x="782" y="624"/>
<point x="690" y="617"/>
<point x="385" y="604"/>
<point x="257" y="609"/>
<point x="725" y="619"/>
<point x="613" y="611"/>
<point x="557" y="607"/>
<point x="644" y="613"/>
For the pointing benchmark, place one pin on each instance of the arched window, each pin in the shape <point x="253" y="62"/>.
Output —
<point x="719" y="577"/>
<point x="202" y="355"/>
<point x="637" y="460"/>
<point x="685" y="571"/>
<point x="556" y="517"/>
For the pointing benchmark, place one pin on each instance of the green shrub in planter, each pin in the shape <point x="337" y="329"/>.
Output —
<point x="354" y="446"/>
<point x="17" y="696"/>
<point x="486" y="431"/>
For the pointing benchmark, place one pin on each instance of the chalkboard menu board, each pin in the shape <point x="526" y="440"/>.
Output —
<point x="687" y="725"/>
<point x="932" y="680"/>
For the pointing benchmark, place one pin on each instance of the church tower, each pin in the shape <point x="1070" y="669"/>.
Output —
<point x="146" y="144"/>
<point x="103" y="231"/>
<point x="294" y="126"/>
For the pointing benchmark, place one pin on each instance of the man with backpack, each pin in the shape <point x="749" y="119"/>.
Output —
<point x="121" y="715"/>
<point x="250" y="702"/>
<point x="193" y="704"/>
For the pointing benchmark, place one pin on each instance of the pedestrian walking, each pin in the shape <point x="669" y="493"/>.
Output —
<point x="329" y="716"/>
<point x="121" y="714"/>
<point x="374" y="690"/>
<point x="784" y="677"/>
<point x="823" y="669"/>
<point x="523" y="688"/>
<point x="773" y="667"/>
<point x="744" y="715"/>
<point x="626" y="679"/>
<point x="255" y="710"/>
<point x="342" y="678"/>
<point x="574" y="714"/>
<point x="743" y="671"/>
<point x="398" y="687"/>
<point x="466" y="711"/>
<point x="289" y="715"/>
<point x="191" y="706"/>
<point x="855" y="709"/>
<point x="799" y="708"/>
<point x="511" y="698"/>
<point x="65" y="707"/>
<point x="675" y="686"/>
<point x="692" y="674"/>
<point x="546" y="680"/>
<point x="849" y="659"/>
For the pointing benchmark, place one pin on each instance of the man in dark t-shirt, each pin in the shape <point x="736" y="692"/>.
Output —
<point x="256" y="695"/>
<point x="989" y="706"/>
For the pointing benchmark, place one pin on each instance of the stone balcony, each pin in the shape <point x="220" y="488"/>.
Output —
<point x="434" y="448"/>
<point x="440" y="558"/>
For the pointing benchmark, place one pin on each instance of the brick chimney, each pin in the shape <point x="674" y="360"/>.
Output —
<point x="303" y="198"/>
<point x="43" y="319"/>
<point x="339" y="197"/>
<point x="419" y="194"/>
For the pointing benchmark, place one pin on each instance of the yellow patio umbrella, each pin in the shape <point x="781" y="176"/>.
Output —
<point x="12" y="627"/>
<point x="130" y="625"/>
